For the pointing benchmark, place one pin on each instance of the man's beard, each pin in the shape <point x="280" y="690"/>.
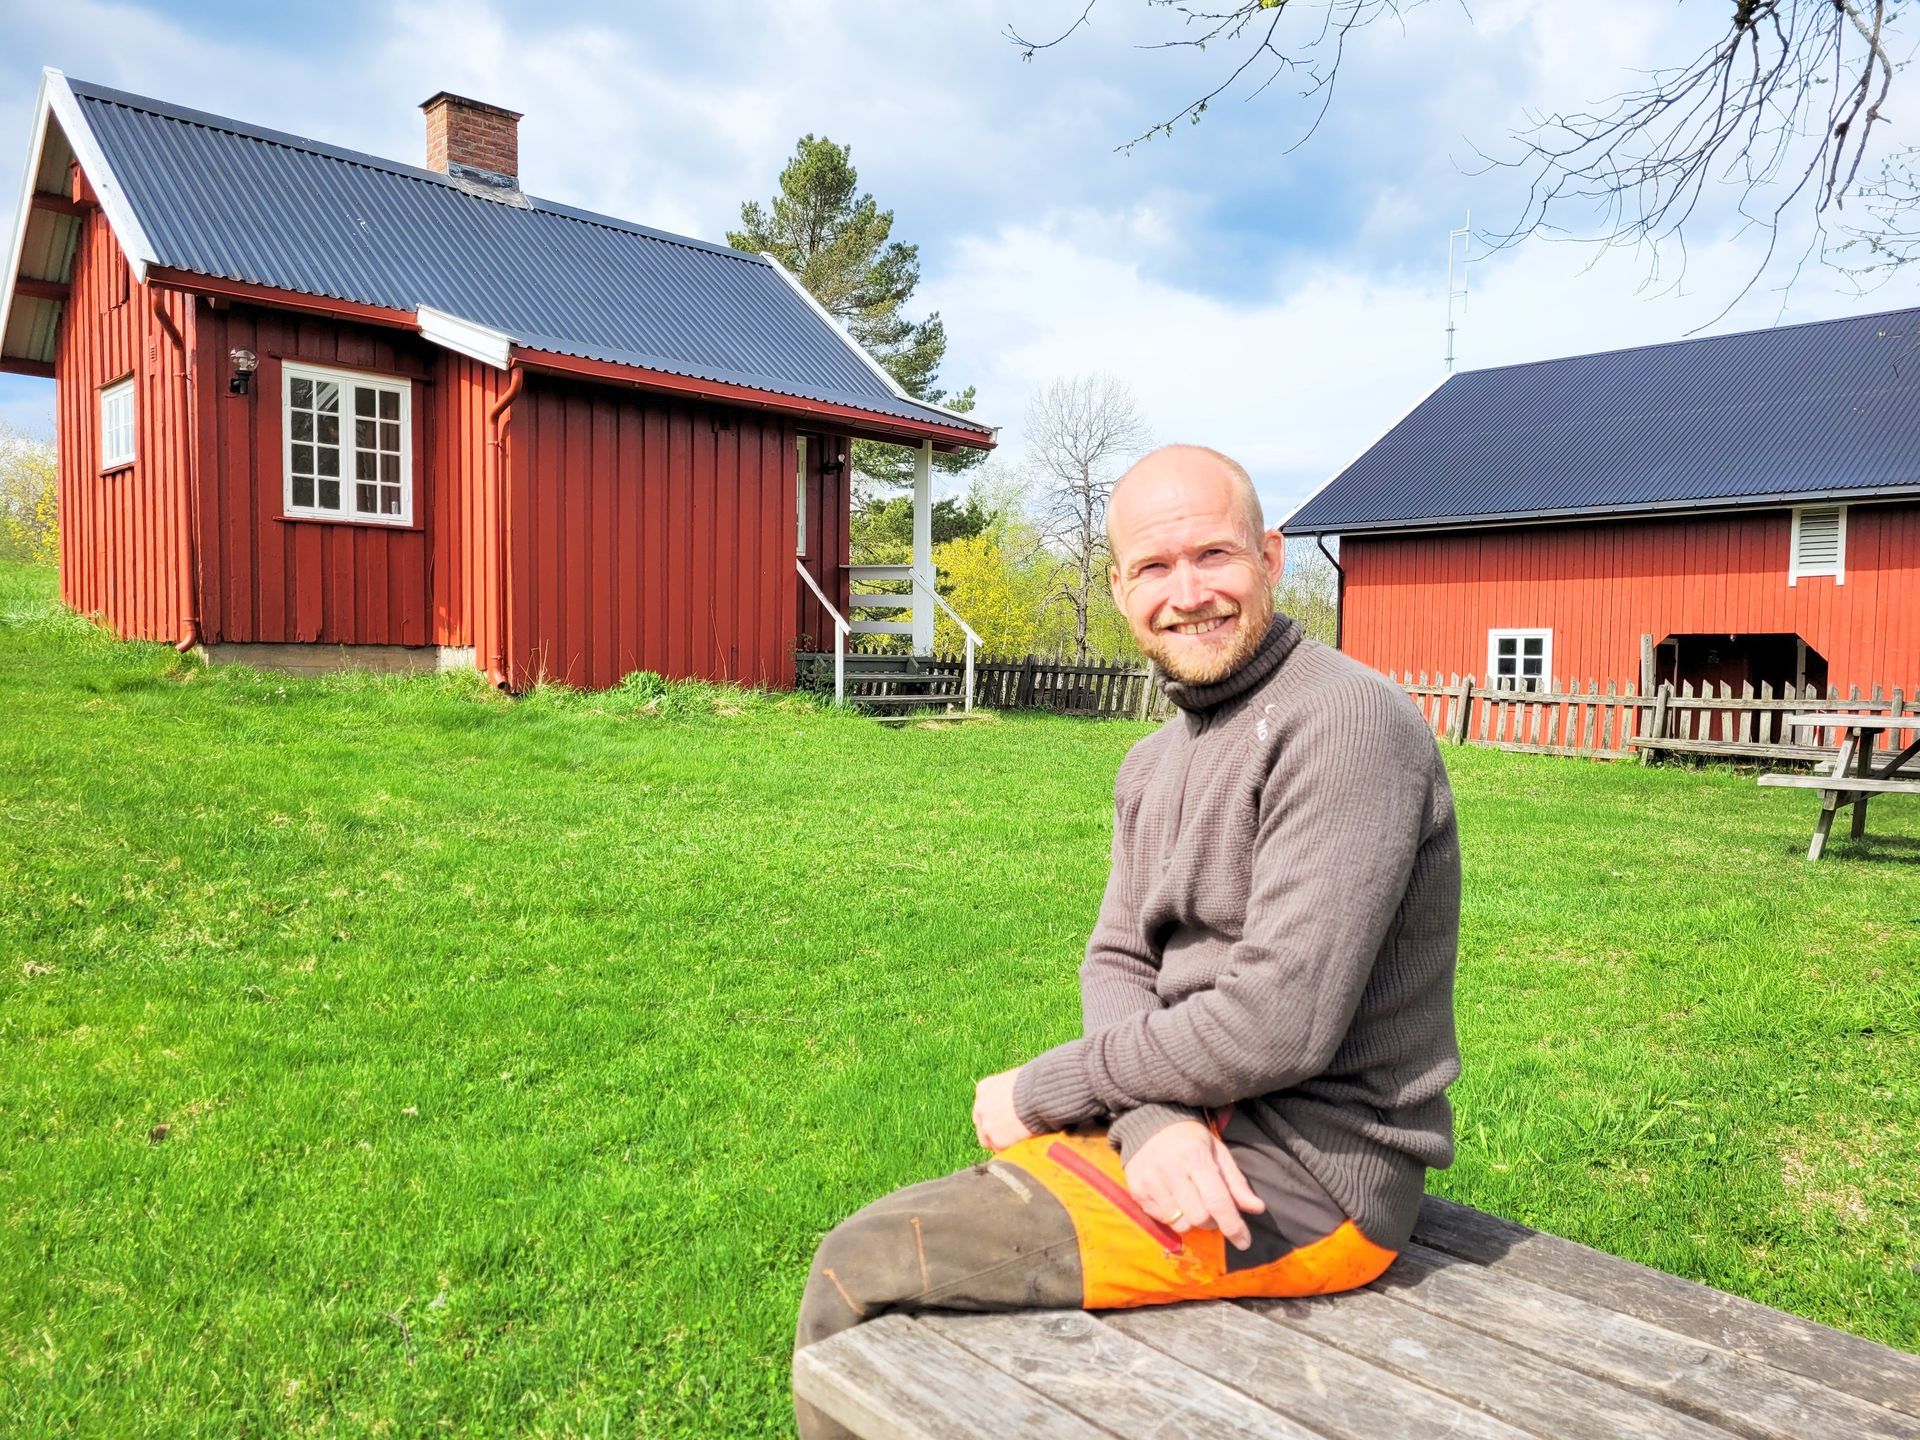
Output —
<point x="1252" y="629"/>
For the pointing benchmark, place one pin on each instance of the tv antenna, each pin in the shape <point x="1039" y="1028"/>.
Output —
<point x="1465" y="236"/>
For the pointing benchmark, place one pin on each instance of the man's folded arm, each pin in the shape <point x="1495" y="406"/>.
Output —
<point x="1341" y="821"/>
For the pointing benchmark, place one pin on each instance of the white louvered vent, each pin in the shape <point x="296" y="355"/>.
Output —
<point x="1819" y="542"/>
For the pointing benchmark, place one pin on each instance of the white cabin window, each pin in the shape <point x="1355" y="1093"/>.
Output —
<point x="1819" y="545"/>
<point x="1519" y="659"/>
<point x="800" y="495"/>
<point x="116" y="425"/>
<point x="349" y="445"/>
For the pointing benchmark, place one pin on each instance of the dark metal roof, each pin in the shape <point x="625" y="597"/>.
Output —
<point x="1823" y="410"/>
<point x="220" y="198"/>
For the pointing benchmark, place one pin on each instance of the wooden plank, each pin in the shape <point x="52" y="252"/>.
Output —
<point x="1842" y="721"/>
<point x="893" y="1379"/>
<point x="1084" y="1365"/>
<point x="1843" y="783"/>
<point x="1729" y="1389"/>
<point x="1833" y="1357"/>
<point x="1524" y="1390"/>
<point x="1341" y="1396"/>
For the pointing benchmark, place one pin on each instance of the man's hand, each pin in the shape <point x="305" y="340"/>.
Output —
<point x="995" y="1121"/>
<point x="1186" y="1177"/>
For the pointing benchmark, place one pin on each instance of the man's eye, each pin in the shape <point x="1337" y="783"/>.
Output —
<point x="1153" y="568"/>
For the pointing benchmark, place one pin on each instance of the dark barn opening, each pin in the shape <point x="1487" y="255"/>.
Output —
<point x="1739" y="661"/>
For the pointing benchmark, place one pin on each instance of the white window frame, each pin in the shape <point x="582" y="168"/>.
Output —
<point x="348" y="381"/>
<point x="1839" y="569"/>
<point x="116" y="430"/>
<point x="800" y="495"/>
<point x="1519" y="637"/>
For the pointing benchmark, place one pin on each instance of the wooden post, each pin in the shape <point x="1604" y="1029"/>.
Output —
<point x="1464" y="708"/>
<point x="1657" y="727"/>
<point x="923" y="605"/>
<point x="1646" y="664"/>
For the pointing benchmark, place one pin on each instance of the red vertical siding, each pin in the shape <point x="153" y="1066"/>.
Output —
<point x="1426" y="602"/>
<point x="640" y="531"/>
<point x="467" y="480"/>
<point x="279" y="580"/>
<point x="122" y="533"/>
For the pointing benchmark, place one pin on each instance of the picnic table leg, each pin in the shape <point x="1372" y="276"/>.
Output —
<point x="1830" y="799"/>
<point x="1863" y="767"/>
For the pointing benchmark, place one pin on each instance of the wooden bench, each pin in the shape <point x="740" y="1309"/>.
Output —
<point x="1482" y="1330"/>
<point x="1753" y="753"/>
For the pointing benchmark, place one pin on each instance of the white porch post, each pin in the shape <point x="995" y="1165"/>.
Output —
<point x="923" y="546"/>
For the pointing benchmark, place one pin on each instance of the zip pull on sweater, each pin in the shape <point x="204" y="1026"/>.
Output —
<point x="1279" y="931"/>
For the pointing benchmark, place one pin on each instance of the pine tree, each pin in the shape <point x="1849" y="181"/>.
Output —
<point x="838" y="243"/>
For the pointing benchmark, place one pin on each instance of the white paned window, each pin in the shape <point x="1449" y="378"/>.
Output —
<point x="1819" y="545"/>
<point x="1519" y="659"/>
<point x="349" y="445"/>
<point x="116" y="425"/>
<point x="800" y="495"/>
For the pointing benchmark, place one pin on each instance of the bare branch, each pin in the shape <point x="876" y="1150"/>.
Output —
<point x="1780" y="113"/>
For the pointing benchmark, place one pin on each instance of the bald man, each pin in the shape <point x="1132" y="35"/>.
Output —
<point x="1260" y="1085"/>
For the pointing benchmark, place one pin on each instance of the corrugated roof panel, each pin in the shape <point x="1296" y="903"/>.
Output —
<point x="1816" y="409"/>
<point x="223" y="199"/>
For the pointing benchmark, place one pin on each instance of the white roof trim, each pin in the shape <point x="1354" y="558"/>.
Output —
<point x="93" y="163"/>
<point x="26" y="201"/>
<point x="1281" y="525"/>
<point x="465" y="337"/>
<point x="898" y="391"/>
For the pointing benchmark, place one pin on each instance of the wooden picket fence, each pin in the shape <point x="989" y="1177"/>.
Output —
<point x="1059" y="686"/>
<point x="1614" y="722"/>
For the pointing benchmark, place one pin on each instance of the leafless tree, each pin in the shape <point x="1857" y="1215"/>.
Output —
<point x="1310" y="590"/>
<point x="1784" y="107"/>
<point x="1081" y="432"/>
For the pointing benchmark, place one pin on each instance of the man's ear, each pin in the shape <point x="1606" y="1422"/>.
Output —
<point x="1113" y="587"/>
<point x="1273" y="552"/>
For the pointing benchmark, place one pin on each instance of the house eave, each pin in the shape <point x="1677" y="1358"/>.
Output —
<point x="1713" y="505"/>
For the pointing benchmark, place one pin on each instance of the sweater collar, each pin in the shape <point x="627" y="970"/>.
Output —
<point x="1283" y="633"/>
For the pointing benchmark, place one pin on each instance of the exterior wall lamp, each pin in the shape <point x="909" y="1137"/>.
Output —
<point x="244" y="363"/>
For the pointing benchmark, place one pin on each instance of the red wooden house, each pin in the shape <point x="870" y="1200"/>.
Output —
<point x="316" y="405"/>
<point x="1739" y="509"/>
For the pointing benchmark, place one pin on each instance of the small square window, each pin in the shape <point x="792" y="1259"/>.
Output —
<point x="116" y="425"/>
<point x="1519" y="659"/>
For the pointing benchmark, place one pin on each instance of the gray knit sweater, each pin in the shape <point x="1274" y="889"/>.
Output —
<point x="1279" y="931"/>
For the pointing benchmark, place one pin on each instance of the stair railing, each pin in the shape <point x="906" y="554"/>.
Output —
<point x="840" y="639"/>
<point x="921" y="582"/>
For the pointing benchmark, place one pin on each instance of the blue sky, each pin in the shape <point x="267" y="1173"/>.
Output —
<point x="1285" y="307"/>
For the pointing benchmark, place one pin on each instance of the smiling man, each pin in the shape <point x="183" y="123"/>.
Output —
<point x="1260" y="1086"/>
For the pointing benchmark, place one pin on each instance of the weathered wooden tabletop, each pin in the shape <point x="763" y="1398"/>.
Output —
<point x="1482" y="1330"/>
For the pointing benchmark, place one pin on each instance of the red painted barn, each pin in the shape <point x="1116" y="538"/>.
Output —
<point x="317" y="406"/>
<point x="1738" y="509"/>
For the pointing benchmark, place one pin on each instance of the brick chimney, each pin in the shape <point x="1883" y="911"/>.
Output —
<point x="471" y="141"/>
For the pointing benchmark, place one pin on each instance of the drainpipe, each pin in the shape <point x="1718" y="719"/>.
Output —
<point x="189" y="537"/>
<point x="1339" y="590"/>
<point x="497" y="420"/>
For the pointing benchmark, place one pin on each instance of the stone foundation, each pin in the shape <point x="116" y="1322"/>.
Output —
<point x="331" y="659"/>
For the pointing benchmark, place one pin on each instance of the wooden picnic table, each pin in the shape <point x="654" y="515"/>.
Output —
<point x="1481" y="1330"/>
<point x="1853" y="780"/>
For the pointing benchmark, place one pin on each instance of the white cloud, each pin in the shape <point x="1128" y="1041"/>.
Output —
<point x="1296" y="383"/>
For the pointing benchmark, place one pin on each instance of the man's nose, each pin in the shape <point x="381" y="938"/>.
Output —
<point x="1189" y="591"/>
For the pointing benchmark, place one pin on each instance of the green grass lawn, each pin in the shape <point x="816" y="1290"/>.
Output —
<point x="514" y="1055"/>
